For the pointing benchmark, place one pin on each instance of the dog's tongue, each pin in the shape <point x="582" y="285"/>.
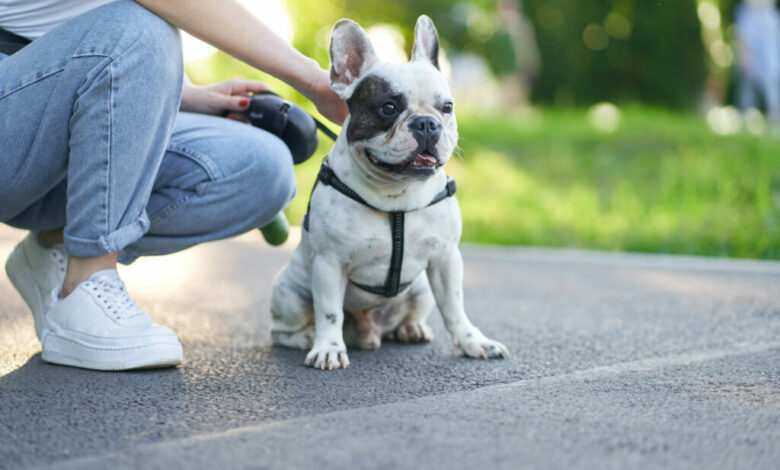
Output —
<point x="425" y="159"/>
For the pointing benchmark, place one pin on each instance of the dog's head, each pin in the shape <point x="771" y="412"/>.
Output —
<point x="402" y="121"/>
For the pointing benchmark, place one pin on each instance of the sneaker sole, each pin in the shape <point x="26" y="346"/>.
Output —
<point x="26" y="286"/>
<point x="63" y="351"/>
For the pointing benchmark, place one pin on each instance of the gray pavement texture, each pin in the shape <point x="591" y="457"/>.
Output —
<point x="619" y="361"/>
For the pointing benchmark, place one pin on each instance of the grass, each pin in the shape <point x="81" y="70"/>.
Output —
<point x="663" y="183"/>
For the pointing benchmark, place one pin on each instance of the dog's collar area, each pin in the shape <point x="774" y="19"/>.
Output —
<point x="328" y="177"/>
<point x="392" y="285"/>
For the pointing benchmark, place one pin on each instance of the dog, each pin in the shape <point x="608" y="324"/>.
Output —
<point x="379" y="248"/>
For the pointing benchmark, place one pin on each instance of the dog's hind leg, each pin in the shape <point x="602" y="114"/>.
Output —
<point x="417" y="306"/>
<point x="292" y="313"/>
<point x="360" y="331"/>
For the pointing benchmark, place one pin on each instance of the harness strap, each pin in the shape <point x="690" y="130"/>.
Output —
<point x="329" y="178"/>
<point x="392" y="285"/>
<point x="448" y="191"/>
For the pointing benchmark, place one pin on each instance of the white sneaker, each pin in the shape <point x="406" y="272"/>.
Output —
<point x="98" y="326"/>
<point x="35" y="271"/>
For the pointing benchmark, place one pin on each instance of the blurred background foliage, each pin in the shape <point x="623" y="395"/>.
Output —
<point x="599" y="124"/>
<point x="588" y="50"/>
<point x="621" y="51"/>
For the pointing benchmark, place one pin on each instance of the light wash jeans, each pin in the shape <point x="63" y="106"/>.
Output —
<point x="769" y="90"/>
<point x="91" y="140"/>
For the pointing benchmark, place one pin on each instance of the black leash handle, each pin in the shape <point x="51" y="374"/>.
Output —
<point x="322" y="127"/>
<point x="319" y="124"/>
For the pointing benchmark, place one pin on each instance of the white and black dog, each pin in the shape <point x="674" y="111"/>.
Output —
<point x="379" y="249"/>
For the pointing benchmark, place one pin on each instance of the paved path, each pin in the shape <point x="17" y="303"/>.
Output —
<point x="619" y="361"/>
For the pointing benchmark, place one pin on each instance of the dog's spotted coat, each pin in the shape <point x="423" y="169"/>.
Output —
<point x="400" y="133"/>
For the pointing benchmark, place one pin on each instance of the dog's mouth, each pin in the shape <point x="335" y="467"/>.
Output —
<point x="423" y="163"/>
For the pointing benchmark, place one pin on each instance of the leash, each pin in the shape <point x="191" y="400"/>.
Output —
<point x="324" y="129"/>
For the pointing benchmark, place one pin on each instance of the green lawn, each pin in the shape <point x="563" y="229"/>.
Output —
<point x="662" y="183"/>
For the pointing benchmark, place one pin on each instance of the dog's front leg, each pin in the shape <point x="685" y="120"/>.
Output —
<point x="328" y="283"/>
<point x="446" y="278"/>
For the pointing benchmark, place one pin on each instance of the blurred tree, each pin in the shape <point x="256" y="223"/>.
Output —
<point x="591" y="50"/>
<point x="619" y="50"/>
<point x="727" y="9"/>
<point x="465" y="26"/>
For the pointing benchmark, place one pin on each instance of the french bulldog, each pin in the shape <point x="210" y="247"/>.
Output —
<point x="400" y="132"/>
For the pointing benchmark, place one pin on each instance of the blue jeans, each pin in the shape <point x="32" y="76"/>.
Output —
<point x="767" y="87"/>
<point x="91" y="140"/>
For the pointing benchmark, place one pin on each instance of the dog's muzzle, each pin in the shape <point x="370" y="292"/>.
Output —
<point x="420" y="163"/>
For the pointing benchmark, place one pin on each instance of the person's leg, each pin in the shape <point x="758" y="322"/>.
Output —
<point x="746" y="95"/>
<point x="106" y="106"/>
<point x="219" y="178"/>
<point x="772" y="99"/>
<point x="95" y="100"/>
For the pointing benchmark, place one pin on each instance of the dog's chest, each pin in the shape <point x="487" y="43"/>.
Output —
<point x="422" y="238"/>
<point x="363" y="240"/>
<point x="426" y="235"/>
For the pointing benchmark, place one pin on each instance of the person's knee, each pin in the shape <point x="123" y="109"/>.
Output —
<point x="268" y="179"/>
<point x="160" y="42"/>
<point x="148" y="45"/>
<point x="276" y="169"/>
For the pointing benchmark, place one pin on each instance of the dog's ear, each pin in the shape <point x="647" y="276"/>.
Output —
<point x="351" y="56"/>
<point x="426" y="41"/>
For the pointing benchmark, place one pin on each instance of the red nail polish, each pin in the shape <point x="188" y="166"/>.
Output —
<point x="244" y="102"/>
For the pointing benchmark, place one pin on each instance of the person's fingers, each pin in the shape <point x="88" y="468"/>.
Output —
<point x="232" y="103"/>
<point x="238" y="117"/>
<point x="342" y="112"/>
<point x="242" y="87"/>
<point x="336" y="111"/>
<point x="328" y="102"/>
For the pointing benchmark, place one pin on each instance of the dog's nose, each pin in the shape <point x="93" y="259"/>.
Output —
<point x="426" y="127"/>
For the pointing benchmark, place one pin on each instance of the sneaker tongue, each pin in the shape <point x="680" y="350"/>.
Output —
<point x="105" y="275"/>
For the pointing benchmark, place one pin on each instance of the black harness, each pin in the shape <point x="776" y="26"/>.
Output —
<point x="392" y="285"/>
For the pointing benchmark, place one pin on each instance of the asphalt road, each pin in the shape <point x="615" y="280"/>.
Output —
<point x="618" y="361"/>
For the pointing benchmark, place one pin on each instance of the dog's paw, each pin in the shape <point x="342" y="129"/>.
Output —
<point x="475" y="344"/>
<point x="414" y="332"/>
<point x="328" y="355"/>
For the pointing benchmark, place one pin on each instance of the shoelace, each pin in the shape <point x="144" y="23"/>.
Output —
<point x="113" y="296"/>
<point x="60" y="259"/>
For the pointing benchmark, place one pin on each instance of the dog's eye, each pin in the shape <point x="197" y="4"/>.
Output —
<point x="447" y="107"/>
<point x="388" y="109"/>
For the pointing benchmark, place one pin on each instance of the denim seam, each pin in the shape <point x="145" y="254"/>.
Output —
<point x="109" y="161"/>
<point x="162" y="214"/>
<point x="201" y="159"/>
<point x="92" y="54"/>
<point x="27" y="81"/>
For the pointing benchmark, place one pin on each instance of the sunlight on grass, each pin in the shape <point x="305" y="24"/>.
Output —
<point x="662" y="183"/>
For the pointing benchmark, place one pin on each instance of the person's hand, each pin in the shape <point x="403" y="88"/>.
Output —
<point x="328" y="103"/>
<point x="218" y="99"/>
